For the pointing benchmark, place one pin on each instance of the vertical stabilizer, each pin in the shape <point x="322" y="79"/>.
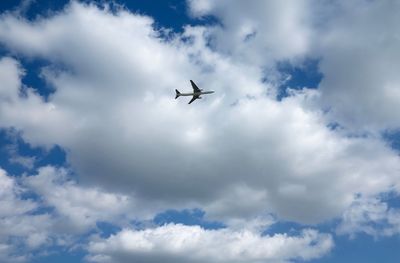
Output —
<point x="177" y="94"/>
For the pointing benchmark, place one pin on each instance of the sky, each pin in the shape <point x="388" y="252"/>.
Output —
<point x="294" y="158"/>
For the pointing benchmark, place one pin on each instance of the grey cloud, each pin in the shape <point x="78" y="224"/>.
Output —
<point x="359" y="49"/>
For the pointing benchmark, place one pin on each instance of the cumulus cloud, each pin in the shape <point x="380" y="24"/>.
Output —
<point x="18" y="225"/>
<point x="238" y="155"/>
<point x="11" y="204"/>
<point x="77" y="208"/>
<point x="179" y="243"/>
<point x="259" y="32"/>
<point x="80" y="208"/>
<point x="359" y="60"/>
<point x="370" y="216"/>
<point x="15" y="156"/>
<point x="47" y="209"/>
<point x="355" y="42"/>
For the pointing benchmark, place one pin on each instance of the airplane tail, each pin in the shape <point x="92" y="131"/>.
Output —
<point x="177" y="94"/>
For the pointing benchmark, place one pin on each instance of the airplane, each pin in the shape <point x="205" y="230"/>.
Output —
<point x="196" y="92"/>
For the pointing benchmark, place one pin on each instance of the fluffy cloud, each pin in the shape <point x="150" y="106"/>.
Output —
<point x="238" y="155"/>
<point x="370" y="216"/>
<point x="259" y="32"/>
<point x="77" y="208"/>
<point x="18" y="225"/>
<point x="15" y="157"/>
<point x="356" y="43"/>
<point x="179" y="243"/>
<point x="359" y="60"/>
<point x="60" y="212"/>
<point x="11" y="204"/>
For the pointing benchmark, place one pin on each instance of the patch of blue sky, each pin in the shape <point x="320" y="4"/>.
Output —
<point x="59" y="255"/>
<point x="294" y="228"/>
<point x="334" y="126"/>
<point x="306" y="75"/>
<point x="33" y="9"/>
<point x="393" y="139"/>
<point x="56" y="156"/>
<point x="173" y="14"/>
<point x="391" y="198"/>
<point x="75" y="253"/>
<point x="8" y="5"/>
<point x="41" y="210"/>
<point x="32" y="74"/>
<point x="12" y="147"/>
<point x="186" y="217"/>
<point x="363" y="248"/>
<point x="280" y="227"/>
<point x="284" y="228"/>
<point x="33" y="77"/>
<point x="360" y="248"/>
<point x="106" y="229"/>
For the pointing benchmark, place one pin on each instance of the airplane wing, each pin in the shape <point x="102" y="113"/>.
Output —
<point x="195" y="88"/>
<point x="193" y="99"/>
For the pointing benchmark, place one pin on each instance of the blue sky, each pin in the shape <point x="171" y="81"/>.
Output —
<point x="295" y="157"/>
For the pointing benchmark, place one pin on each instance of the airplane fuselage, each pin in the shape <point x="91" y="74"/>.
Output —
<point x="196" y="93"/>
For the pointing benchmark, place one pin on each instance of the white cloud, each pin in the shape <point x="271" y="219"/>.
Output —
<point x="359" y="49"/>
<point x="356" y="43"/>
<point x="18" y="225"/>
<point x="11" y="149"/>
<point x="370" y="216"/>
<point x="25" y="110"/>
<point x="179" y="243"/>
<point x="27" y="225"/>
<point x="10" y="203"/>
<point x="259" y="32"/>
<point x="237" y="155"/>
<point x="84" y="206"/>
<point x="240" y="155"/>
<point x="78" y="208"/>
<point x="27" y="162"/>
<point x="10" y="75"/>
<point x="7" y="255"/>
